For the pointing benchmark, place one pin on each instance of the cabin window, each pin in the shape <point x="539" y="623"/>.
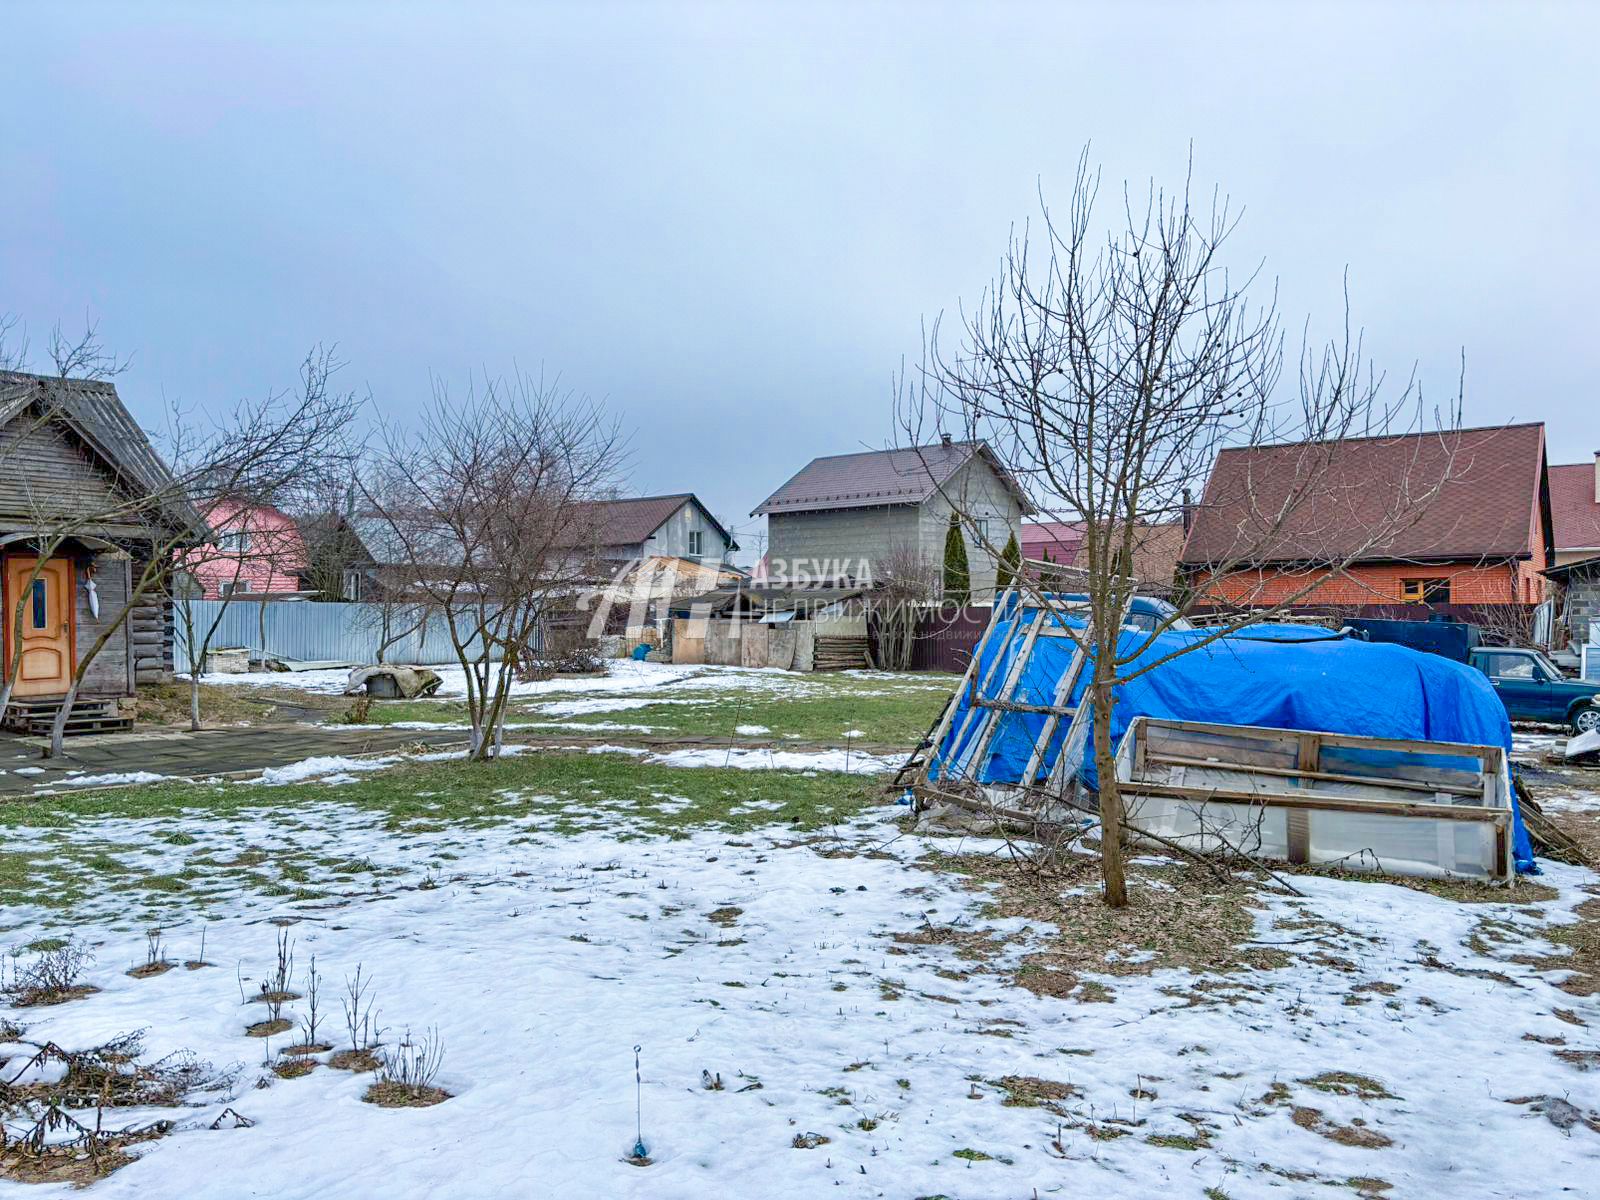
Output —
<point x="234" y="543"/>
<point x="1510" y="666"/>
<point x="983" y="529"/>
<point x="697" y="543"/>
<point x="1425" y="591"/>
<point x="41" y="609"/>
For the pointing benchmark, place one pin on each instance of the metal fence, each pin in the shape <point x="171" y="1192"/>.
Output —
<point x="313" y="631"/>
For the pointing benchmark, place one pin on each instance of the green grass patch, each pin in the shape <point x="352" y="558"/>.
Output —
<point x="551" y="792"/>
<point x="821" y="710"/>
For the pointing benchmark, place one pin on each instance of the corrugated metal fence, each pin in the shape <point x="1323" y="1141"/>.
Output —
<point x="308" y="630"/>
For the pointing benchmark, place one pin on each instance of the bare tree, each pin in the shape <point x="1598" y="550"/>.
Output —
<point x="490" y="501"/>
<point x="905" y="583"/>
<point x="13" y="343"/>
<point x="86" y="357"/>
<point x="1107" y="371"/>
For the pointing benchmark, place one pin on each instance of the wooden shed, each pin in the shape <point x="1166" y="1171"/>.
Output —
<point x="80" y="483"/>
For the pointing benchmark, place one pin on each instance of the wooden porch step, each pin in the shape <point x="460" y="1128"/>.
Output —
<point x="91" y="715"/>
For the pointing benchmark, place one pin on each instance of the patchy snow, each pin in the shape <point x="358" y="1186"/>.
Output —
<point x="751" y="730"/>
<point x="337" y="768"/>
<point x="579" y="708"/>
<point x="29" y="770"/>
<point x="620" y="676"/>
<point x="74" y="779"/>
<point x="781" y="760"/>
<point x="543" y="960"/>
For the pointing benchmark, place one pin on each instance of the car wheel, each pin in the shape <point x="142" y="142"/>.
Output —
<point x="1586" y="719"/>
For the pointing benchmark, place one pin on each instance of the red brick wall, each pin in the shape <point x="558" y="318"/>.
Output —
<point x="1500" y="583"/>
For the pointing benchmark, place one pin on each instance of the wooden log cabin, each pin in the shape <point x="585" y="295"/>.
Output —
<point x="81" y="484"/>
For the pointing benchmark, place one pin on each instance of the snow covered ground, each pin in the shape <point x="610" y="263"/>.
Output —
<point x="620" y="676"/>
<point x="832" y="986"/>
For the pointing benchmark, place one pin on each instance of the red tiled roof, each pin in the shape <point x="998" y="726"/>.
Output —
<point x="1486" y="508"/>
<point x="875" y="477"/>
<point x="1573" y="507"/>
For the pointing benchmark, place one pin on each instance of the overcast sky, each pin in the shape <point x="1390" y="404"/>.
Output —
<point x="729" y="221"/>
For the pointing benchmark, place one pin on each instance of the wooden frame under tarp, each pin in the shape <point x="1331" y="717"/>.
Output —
<point x="1369" y="804"/>
<point x="1414" y="807"/>
<point x="991" y="694"/>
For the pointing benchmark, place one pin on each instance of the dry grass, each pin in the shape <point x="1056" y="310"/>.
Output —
<point x="65" y="1164"/>
<point x="1348" y="1083"/>
<point x="358" y="1061"/>
<point x="399" y="1095"/>
<point x="167" y="705"/>
<point x="263" y="1029"/>
<point x="1181" y="916"/>
<point x="1355" y="1134"/>
<point x="1029" y="1091"/>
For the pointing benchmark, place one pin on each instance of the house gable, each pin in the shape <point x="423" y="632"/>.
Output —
<point x="72" y="450"/>
<point x="48" y="475"/>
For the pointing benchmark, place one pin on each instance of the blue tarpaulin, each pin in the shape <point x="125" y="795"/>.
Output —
<point x="1277" y="676"/>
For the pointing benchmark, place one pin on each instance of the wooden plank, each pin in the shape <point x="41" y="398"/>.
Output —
<point x="1298" y="822"/>
<point x="1351" y="804"/>
<point x="1063" y="695"/>
<point x="975" y="688"/>
<point x="1357" y="741"/>
<point x="1007" y="689"/>
<point x="1405" y="785"/>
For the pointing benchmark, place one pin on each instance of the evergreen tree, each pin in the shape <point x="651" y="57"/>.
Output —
<point x="1010" y="565"/>
<point x="957" y="577"/>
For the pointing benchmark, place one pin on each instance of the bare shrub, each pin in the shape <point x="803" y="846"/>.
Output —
<point x="53" y="976"/>
<point x="310" y="1023"/>
<point x="360" y="1012"/>
<point x="275" y="989"/>
<point x="407" y="1071"/>
<point x="155" y="956"/>
<point x="42" y="1141"/>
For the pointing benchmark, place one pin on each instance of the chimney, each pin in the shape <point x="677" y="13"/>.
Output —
<point x="945" y="439"/>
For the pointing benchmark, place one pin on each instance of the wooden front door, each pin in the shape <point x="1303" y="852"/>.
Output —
<point x="48" y="654"/>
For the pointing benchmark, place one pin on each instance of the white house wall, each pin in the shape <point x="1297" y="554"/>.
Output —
<point x="981" y="495"/>
<point x="828" y="543"/>
<point x="671" y="539"/>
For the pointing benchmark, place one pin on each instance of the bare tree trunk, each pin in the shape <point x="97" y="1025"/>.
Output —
<point x="1113" y="878"/>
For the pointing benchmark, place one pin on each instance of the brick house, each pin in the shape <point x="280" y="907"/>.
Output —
<point x="1483" y="539"/>
<point x="1575" y="510"/>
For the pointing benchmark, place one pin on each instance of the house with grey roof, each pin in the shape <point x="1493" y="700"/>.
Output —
<point x="608" y="532"/>
<point x="855" y="517"/>
<point x="639" y="527"/>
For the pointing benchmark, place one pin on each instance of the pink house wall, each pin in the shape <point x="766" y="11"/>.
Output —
<point x="1061" y="539"/>
<point x="271" y="560"/>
